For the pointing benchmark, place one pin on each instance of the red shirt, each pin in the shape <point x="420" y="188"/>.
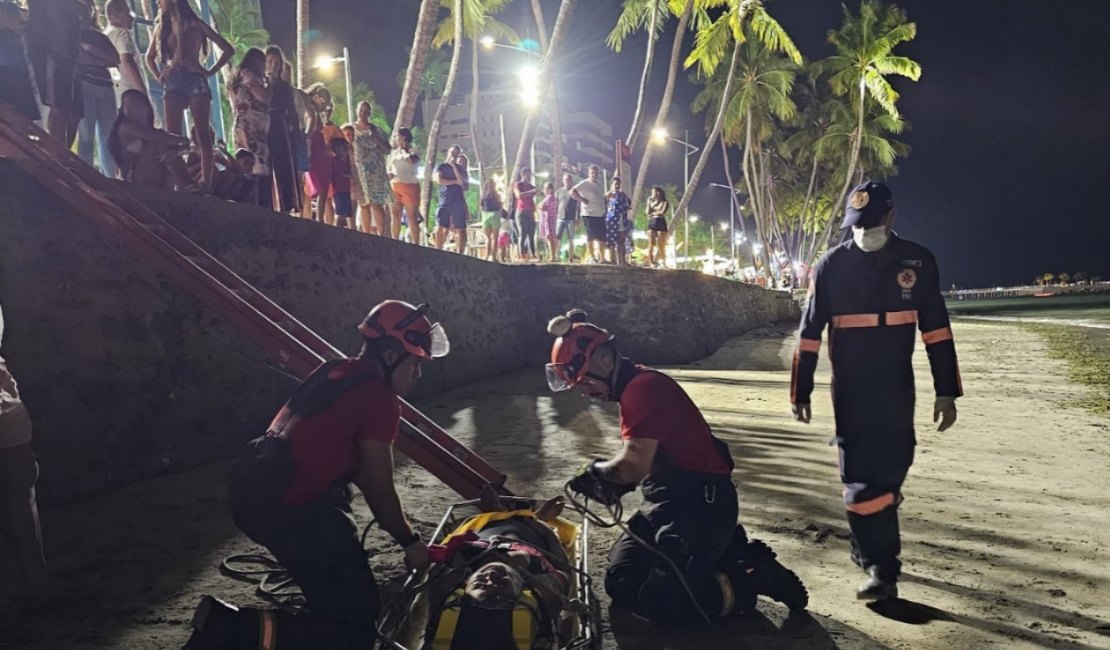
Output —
<point x="654" y="406"/>
<point x="525" y="203"/>
<point x="325" y="445"/>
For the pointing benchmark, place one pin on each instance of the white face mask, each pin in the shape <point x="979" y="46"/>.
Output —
<point x="870" y="239"/>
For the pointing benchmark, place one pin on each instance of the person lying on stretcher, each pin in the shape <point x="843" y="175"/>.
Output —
<point x="500" y="579"/>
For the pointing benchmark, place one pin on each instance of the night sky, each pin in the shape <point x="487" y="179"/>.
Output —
<point x="1010" y="168"/>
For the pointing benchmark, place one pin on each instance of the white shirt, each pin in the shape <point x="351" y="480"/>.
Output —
<point x="125" y="44"/>
<point x="591" y="191"/>
<point x="402" y="168"/>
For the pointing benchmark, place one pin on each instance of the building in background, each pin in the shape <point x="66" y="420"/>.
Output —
<point x="587" y="139"/>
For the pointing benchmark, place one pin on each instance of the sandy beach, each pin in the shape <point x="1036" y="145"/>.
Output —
<point x="1004" y="525"/>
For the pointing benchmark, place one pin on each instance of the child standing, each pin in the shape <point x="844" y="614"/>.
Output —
<point x="549" y="216"/>
<point x="491" y="217"/>
<point x="504" y="239"/>
<point x="341" y="182"/>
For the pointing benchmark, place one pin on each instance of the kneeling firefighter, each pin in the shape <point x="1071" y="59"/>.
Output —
<point x="290" y="491"/>
<point x="683" y="557"/>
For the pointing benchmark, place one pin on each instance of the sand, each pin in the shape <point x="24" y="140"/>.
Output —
<point x="1005" y="523"/>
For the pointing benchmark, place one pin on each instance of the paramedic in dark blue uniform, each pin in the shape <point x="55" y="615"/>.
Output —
<point x="872" y="293"/>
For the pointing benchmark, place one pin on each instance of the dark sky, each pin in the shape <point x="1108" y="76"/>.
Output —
<point x="1010" y="168"/>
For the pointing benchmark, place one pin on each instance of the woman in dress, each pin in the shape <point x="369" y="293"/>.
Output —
<point x="179" y="38"/>
<point x="250" y="101"/>
<point x="371" y="147"/>
<point x="657" y="209"/>
<point x="618" y="228"/>
<point x="284" y="130"/>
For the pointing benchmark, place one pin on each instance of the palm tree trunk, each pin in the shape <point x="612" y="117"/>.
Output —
<point x="441" y="110"/>
<point x="422" y="37"/>
<point x="302" y="50"/>
<point x="649" y="56"/>
<point x="718" y="124"/>
<point x="558" y="35"/>
<point x="665" y="106"/>
<point x="474" y="140"/>
<point x="553" y="106"/>
<point x="755" y="197"/>
<point x="852" y="161"/>
<point x="735" y="199"/>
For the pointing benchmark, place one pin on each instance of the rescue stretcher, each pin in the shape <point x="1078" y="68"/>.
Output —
<point x="579" y="623"/>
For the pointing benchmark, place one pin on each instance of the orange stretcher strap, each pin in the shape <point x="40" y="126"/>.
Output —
<point x="809" y="345"/>
<point x="901" y="317"/>
<point x="846" y="321"/>
<point x="936" y="336"/>
<point x="872" y="506"/>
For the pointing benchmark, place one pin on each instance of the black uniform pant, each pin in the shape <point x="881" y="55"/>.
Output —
<point x="872" y="472"/>
<point x="317" y="543"/>
<point x="691" y="519"/>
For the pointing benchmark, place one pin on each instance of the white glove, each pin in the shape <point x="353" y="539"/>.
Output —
<point x="944" y="409"/>
<point x="802" y="412"/>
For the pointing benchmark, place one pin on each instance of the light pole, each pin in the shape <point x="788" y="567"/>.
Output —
<point x="325" y="62"/>
<point x="732" y="217"/>
<point x="661" y="135"/>
<point x="724" y="229"/>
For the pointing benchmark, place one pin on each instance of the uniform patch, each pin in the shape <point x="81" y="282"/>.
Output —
<point x="859" y="200"/>
<point x="907" y="278"/>
<point x="916" y="263"/>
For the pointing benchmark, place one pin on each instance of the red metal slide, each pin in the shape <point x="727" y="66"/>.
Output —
<point x="126" y="220"/>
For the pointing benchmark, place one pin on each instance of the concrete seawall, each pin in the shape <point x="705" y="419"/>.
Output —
<point x="127" y="377"/>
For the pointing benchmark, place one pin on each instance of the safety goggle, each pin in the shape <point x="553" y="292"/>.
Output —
<point x="562" y="376"/>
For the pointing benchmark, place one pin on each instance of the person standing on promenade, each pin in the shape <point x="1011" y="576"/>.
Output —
<point x="870" y="292"/>
<point x="568" y="215"/>
<point x="589" y="193"/>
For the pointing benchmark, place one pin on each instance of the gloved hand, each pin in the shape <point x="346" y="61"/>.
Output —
<point x="944" y="409"/>
<point x="802" y="411"/>
<point x="416" y="556"/>
<point x="590" y="483"/>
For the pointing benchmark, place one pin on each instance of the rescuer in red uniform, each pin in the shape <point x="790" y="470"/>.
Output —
<point x="690" y="543"/>
<point x="870" y="292"/>
<point x="290" y="491"/>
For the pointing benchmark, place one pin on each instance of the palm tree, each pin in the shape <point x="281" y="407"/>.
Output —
<point x="558" y="35"/>
<point x="864" y="57"/>
<point x="709" y="50"/>
<point x="422" y="37"/>
<point x="637" y="15"/>
<point x="477" y="23"/>
<point x="302" y="34"/>
<point x="441" y="109"/>
<point x="551" y="90"/>
<point x="665" y="102"/>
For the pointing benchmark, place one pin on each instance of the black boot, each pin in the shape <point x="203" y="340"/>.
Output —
<point x="770" y="578"/>
<point x="215" y="626"/>
<point x="878" y="586"/>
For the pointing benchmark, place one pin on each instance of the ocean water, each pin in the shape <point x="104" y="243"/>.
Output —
<point x="1083" y="310"/>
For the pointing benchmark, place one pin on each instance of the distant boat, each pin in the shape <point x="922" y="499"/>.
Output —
<point x="1044" y="294"/>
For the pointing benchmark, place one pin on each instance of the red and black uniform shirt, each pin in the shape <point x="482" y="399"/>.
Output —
<point x="654" y="406"/>
<point x="325" y="445"/>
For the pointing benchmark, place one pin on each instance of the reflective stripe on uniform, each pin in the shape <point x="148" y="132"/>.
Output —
<point x="267" y="634"/>
<point x="936" y="336"/>
<point x="872" y="506"/>
<point x="728" y="594"/>
<point x="809" y="345"/>
<point x="846" y="321"/>
<point x="901" y="317"/>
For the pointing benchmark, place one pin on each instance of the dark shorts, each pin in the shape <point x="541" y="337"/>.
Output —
<point x="58" y="84"/>
<point x="658" y="224"/>
<point x="184" y="84"/>
<point x="342" y="204"/>
<point x="595" y="228"/>
<point x="452" y="215"/>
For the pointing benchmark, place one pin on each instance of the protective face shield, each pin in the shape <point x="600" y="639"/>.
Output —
<point x="410" y="326"/>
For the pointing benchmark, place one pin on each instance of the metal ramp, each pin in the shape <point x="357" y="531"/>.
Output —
<point x="124" y="219"/>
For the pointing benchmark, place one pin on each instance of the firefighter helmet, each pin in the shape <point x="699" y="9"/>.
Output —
<point x="575" y="342"/>
<point x="409" y="326"/>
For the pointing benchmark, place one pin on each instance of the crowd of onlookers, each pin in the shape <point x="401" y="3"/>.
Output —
<point x="81" y="74"/>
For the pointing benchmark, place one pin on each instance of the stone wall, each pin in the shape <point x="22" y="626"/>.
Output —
<point x="127" y="377"/>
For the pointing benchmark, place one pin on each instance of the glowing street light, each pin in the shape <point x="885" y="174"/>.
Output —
<point x="326" y="62"/>
<point x="487" y="42"/>
<point x="529" y="85"/>
<point x="660" y="134"/>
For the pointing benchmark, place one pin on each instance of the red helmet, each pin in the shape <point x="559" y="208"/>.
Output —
<point x="570" y="354"/>
<point x="409" y="326"/>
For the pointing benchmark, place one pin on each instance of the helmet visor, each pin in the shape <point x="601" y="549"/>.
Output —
<point x="440" y="346"/>
<point x="560" y="377"/>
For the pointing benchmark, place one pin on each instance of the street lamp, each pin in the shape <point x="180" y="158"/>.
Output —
<point x="490" y="42"/>
<point x="732" y="216"/>
<point x="326" y="62"/>
<point x="661" y="135"/>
